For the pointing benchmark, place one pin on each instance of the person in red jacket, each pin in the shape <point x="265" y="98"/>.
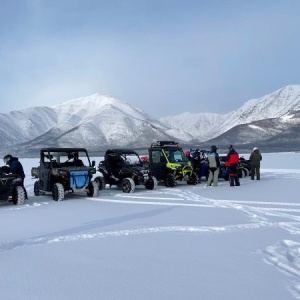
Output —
<point x="231" y="162"/>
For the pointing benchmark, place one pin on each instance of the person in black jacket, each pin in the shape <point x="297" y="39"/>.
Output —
<point x="197" y="160"/>
<point x="255" y="159"/>
<point x="12" y="165"/>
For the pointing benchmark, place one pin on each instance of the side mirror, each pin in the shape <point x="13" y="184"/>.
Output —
<point x="93" y="163"/>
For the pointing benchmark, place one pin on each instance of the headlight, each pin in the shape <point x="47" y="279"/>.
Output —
<point x="17" y="180"/>
<point x="144" y="174"/>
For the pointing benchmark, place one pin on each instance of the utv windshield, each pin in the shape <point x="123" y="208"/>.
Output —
<point x="79" y="158"/>
<point x="131" y="159"/>
<point x="175" y="155"/>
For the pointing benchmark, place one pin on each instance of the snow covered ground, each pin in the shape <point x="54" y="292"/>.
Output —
<point x="188" y="242"/>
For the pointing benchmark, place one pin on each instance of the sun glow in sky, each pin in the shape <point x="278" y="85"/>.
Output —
<point x="164" y="57"/>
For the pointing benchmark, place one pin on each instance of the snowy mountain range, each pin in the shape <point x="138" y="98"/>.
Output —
<point x="271" y="122"/>
<point x="98" y="122"/>
<point x="95" y="122"/>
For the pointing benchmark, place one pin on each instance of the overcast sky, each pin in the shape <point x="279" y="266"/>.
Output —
<point x="165" y="57"/>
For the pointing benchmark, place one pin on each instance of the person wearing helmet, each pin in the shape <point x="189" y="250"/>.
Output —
<point x="232" y="160"/>
<point x="255" y="158"/>
<point x="197" y="160"/>
<point x="214" y="166"/>
<point x="12" y="165"/>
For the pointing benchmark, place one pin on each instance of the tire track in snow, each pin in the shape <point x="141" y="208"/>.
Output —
<point x="285" y="256"/>
<point x="190" y="199"/>
<point x="9" y="206"/>
<point x="121" y="201"/>
<point x="48" y="240"/>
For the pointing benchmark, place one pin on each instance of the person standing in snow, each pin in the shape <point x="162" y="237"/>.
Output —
<point x="214" y="166"/>
<point x="197" y="160"/>
<point x="231" y="162"/>
<point x="254" y="159"/>
<point x="13" y="165"/>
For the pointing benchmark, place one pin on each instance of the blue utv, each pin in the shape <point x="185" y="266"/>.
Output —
<point x="64" y="170"/>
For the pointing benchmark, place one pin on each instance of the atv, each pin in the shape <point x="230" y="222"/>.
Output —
<point x="243" y="167"/>
<point x="64" y="170"/>
<point x="11" y="188"/>
<point x="169" y="164"/>
<point x="124" y="168"/>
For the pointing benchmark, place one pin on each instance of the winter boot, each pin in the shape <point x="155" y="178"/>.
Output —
<point x="237" y="182"/>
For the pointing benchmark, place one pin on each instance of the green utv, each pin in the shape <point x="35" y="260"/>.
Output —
<point x="64" y="170"/>
<point x="168" y="163"/>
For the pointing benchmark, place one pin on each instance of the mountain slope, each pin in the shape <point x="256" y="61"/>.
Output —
<point x="98" y="122"/>
<point x="23" y="125"/>
<point x="199" y="125"/>
<point x="284" y="102"/>
<point x="251" y="133"/>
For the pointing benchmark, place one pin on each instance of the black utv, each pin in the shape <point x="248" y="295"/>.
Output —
<point x="124" y="168"/>
<point x="11" y="188"/>
<point x="169" y="164"/>
<point x="63" y="170"/>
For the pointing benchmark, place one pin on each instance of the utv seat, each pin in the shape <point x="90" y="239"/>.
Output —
<point x="113" y="164"/>
<point x="78" y="163"/>
<point x="47" y="165"/>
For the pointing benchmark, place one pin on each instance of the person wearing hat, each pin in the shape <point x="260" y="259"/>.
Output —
<point x="231" y="162"/>
<point x="214" y="166"/>
<point x="12" y="165"/>
<point x="254" y="159"/>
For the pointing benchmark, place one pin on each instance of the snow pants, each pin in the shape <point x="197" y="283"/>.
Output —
<point x="213" y="176"/>
<point x="233" y="175"/>
<point x="255" y="170"/>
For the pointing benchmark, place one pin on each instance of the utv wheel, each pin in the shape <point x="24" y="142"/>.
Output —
<point x="128" y="185"/>
<point x="101" y="182"/>
<point x="58" y="192"/>
<point x="243" y="172"/>
<point x="36" y="188"/>
<point x="170" y="180"/>
<point x="18" y="195"/>
<point x="193" y="179"/>
<point x="93" y="189"/>
<point x="151" y="184"/>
